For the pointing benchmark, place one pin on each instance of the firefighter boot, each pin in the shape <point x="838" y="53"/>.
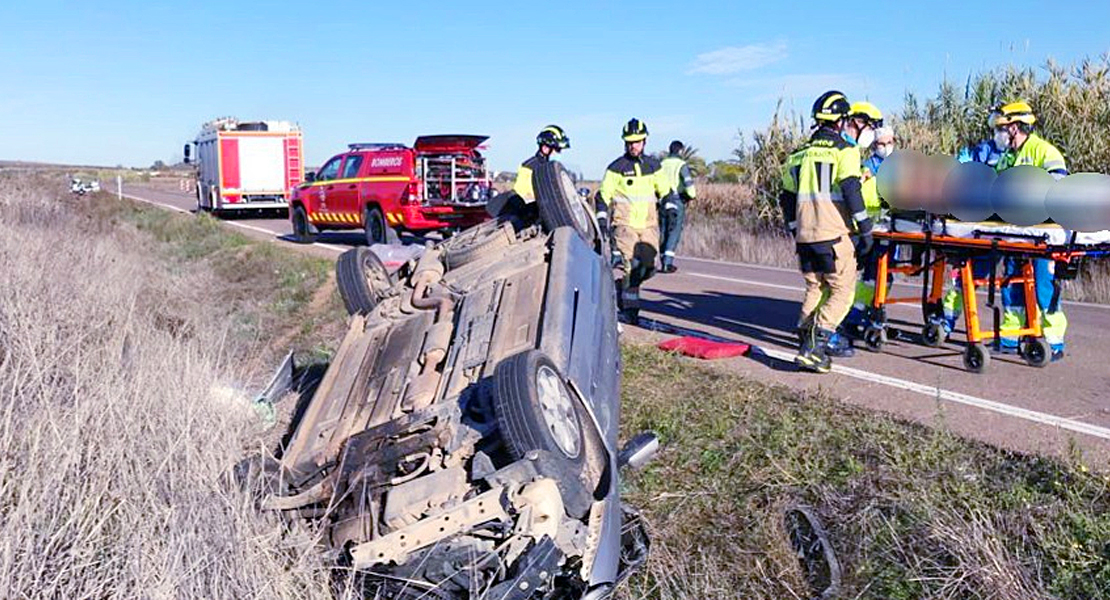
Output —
<point x="839" y="345"/>
<point x="628" y="302"/>
<point x="812" y="354"/>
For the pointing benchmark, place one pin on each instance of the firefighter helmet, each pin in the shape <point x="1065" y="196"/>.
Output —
<point x="634" y="131"/>
<point x="868" y="112"/>
<point x="554" y="137"/>
<point x="1015" y="112"/>
<point x="831" y="106"/>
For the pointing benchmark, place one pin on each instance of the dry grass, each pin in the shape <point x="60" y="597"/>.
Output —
<point x="114" y="444"/>
<point x="911" y="512"/>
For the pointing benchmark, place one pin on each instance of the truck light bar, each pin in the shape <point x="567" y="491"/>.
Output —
<point x="374" y="146"/>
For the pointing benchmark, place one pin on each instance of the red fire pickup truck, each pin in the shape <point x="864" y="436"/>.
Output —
<point x="440" y="183"/>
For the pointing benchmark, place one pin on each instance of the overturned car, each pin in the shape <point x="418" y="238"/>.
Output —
<point x="462" y="442"/>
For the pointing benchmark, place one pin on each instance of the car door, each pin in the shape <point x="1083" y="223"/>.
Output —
<point x="343" y="197"/>
<point x="324" y="188"/>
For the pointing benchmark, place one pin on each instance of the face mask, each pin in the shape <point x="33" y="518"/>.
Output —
<point x="885" y="150"/>
<point x="1002" y="139"/>
<point x="866" y="138"/>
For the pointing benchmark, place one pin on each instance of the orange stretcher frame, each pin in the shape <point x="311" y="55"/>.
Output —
<point x="942" y="252"/>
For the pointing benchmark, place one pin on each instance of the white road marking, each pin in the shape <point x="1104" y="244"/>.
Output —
<point x="958" y="398"/>
<point x="912" y="386"/>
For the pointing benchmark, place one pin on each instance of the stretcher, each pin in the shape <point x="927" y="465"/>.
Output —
<point x="931" y="248"/>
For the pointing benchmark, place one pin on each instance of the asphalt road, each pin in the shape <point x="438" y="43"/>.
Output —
<point x="1012" y="405"/>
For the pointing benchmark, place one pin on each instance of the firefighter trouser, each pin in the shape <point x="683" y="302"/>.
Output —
<point x="1053" y="320"/>
<point x="828" y="268"/>
<point x="671" y="218"/>
<point x="638" y="248"/>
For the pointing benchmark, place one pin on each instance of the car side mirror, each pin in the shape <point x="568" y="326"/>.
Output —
<point x="638" y="451"/>
<point x="188" y="151"/>
<point x="309" y="177"/>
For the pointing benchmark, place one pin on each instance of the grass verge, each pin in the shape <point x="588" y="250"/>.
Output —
<point x="121" y="332"/>
<point x="912" y="512"/>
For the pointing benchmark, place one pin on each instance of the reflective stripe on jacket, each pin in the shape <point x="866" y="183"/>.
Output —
<point x="631" y="187"/>
<point x="821" y="196"/>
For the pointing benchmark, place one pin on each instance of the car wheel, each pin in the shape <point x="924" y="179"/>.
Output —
<point x="559" y="203"/>
<point x="302" y="230"/>
<point x="476" y="242"/>
<point x="377" y="230"/>
<point x="362" y="279"/>
<point x="536" y="410"/>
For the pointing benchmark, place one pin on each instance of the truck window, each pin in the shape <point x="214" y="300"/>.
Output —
<point x="350" y="168"/>
<point x="330" y="170"/>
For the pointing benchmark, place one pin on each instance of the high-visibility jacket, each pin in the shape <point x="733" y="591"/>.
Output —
<point x="523" y="184"/>
<point x="821" y="198"/>
<point x="630" y="189"/>
<point x="869" y="188"/>
<point x="679" y="177"/>
<point x="1038" y="152"/>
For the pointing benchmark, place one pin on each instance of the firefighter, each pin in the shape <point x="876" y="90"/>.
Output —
<point x="673" y="213"/>
<point x="1015" y="132"/>
<point x="823" y="208"/>
<point x="630" y="189"/>
<point x="551" y="141"/>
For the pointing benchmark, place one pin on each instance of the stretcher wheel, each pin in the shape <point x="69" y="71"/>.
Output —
<point x="874" y="338"/>
<point x="933" y="335"/>
<point x="1036" y="352"/>
<point x="976" y="358"/>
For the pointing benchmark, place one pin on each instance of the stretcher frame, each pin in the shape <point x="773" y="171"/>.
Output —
<point x="936" y="253"/>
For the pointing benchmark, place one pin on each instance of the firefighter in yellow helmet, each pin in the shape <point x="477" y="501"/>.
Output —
<point x="630" y="189"/>
<point x="550" y="141"/>
<point x="1016" y="135"/>
<point x="823" y="208"/>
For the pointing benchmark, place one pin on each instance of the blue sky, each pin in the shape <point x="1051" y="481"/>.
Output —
<point x="119" y="82"/>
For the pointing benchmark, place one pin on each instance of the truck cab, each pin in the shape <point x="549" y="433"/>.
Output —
<point x="439" y="183"/>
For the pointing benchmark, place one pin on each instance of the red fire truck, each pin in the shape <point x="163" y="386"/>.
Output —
<point x="439" y="183"/>
<point x="246" y="165"/>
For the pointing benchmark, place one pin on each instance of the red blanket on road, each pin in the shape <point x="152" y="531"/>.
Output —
<point x="705" y="349"/>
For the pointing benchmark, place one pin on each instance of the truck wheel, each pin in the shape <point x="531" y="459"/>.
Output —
<point x="377" y="230"/>
<point x="362" y="279"/>
<point x="535" y="409"/>
<point x="558" y="201"/>
<point x="302" y="230"/>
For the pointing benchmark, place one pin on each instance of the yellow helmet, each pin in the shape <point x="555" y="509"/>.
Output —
<point x="866" y="111"/>
<point x="1015" y="112"/>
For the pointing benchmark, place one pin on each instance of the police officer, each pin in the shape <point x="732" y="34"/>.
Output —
<point x="551" y="140"/>
<point x="630" y="189"/>
<point x="673" y="213"/>
<point x="823" y="207"/>
<point x="1015" y="132"/>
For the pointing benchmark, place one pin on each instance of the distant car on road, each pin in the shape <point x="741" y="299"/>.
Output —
<point x="439" y="183"/>
<point x="462" y="443"/>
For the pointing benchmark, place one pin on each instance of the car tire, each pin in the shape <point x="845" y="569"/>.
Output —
<point x="536" y="410"/>
<point x="377" y="229"/>
<point x="478" y="241"/>
<point x="302" y="230"/>
<point x="362" y="279"/>
<point x="558" y="201"/>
